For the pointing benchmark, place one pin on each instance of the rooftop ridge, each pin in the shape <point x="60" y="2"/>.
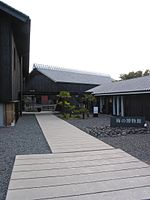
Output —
<point x="42" y="66"/>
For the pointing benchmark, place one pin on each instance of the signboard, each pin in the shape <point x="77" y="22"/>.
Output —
<point x="127" y="121"/>
<point x="95" y="111"/>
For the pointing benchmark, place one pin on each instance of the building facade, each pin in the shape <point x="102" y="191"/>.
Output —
<point x="44" y="84"/>
<point x="125" y="98"/>
<point x="14" y="61"/>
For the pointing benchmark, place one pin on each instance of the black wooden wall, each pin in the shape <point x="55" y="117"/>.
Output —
<point x="134" y="105"/>
<point x="42" y="84"/>
<point x="16" y="71"/>
<point x="9" y="63"/>
<point x="5" y="60"/>
<point x="138" y="105"/>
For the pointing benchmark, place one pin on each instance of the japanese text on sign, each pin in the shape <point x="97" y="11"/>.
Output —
<point x="127" y="121"/>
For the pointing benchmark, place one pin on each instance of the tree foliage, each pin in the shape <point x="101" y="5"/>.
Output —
<point x="67" y="107"/>
<point x="146" y="73"/>
<point x="63" y="100"/>
<point x="135" y="74"/>
<point x="88" y="99"/>
<point x="64" y="95"/>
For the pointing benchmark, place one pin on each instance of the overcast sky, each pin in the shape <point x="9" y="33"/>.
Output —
<point x="105" y="36"/>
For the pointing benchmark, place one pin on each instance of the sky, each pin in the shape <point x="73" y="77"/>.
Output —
<point x="104" y="36"/>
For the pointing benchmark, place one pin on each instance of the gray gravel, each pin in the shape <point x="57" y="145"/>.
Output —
<point x="24" y="138"/>
<point x="102" y="120"/>
<point x="137" y="144"/>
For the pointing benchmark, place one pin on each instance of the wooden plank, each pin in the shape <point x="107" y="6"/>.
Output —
<point x="132" y="194"/>
<point x="72" y="158"/>
<point x="79" y="178"/>
<point x="77" y="170"/>
<point x="67" y="155"/>
<point x="73" y="164"/>
<point x="79" y="189"/>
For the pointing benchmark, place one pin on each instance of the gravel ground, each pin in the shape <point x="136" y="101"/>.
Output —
<point x="137" y="145"/>
<point x="24" y="138"/>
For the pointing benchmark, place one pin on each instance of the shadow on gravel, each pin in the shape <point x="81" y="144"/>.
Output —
<point x="24" y="138"/>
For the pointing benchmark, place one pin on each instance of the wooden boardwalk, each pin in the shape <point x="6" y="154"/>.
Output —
<point x="80" y="168"/>
<point x="63" y="137"/>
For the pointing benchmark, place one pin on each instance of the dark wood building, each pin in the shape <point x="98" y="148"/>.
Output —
<point x="14" y="61"/>
<point x="125" y="98"/>
<point x="44" y="83"/>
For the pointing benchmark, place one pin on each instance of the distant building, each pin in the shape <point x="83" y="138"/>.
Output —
<point x="44" y="84"/>
<point x="14" y="61"/>
<point x="125" y="98"/>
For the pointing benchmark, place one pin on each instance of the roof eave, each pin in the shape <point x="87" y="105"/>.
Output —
<point x="122" y="93"/>
<point x="13" y="12"/>
<point x="94" y="84"/>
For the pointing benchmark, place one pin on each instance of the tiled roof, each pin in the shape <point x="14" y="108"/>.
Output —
<point x="136" y="85"/>
<point x="72" y="76"/>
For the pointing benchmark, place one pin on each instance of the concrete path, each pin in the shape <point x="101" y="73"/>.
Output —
<point x="80" y="168"/>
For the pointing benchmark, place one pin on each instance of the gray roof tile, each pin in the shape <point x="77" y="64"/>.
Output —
<point x="141" y="84"/>
<point x="72" y="76"/>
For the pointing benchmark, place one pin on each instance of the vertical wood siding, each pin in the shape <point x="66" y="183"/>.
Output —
<point x="16" y="73"/>
<point x="138" y="105"/>
<point x="5" y="61"/>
